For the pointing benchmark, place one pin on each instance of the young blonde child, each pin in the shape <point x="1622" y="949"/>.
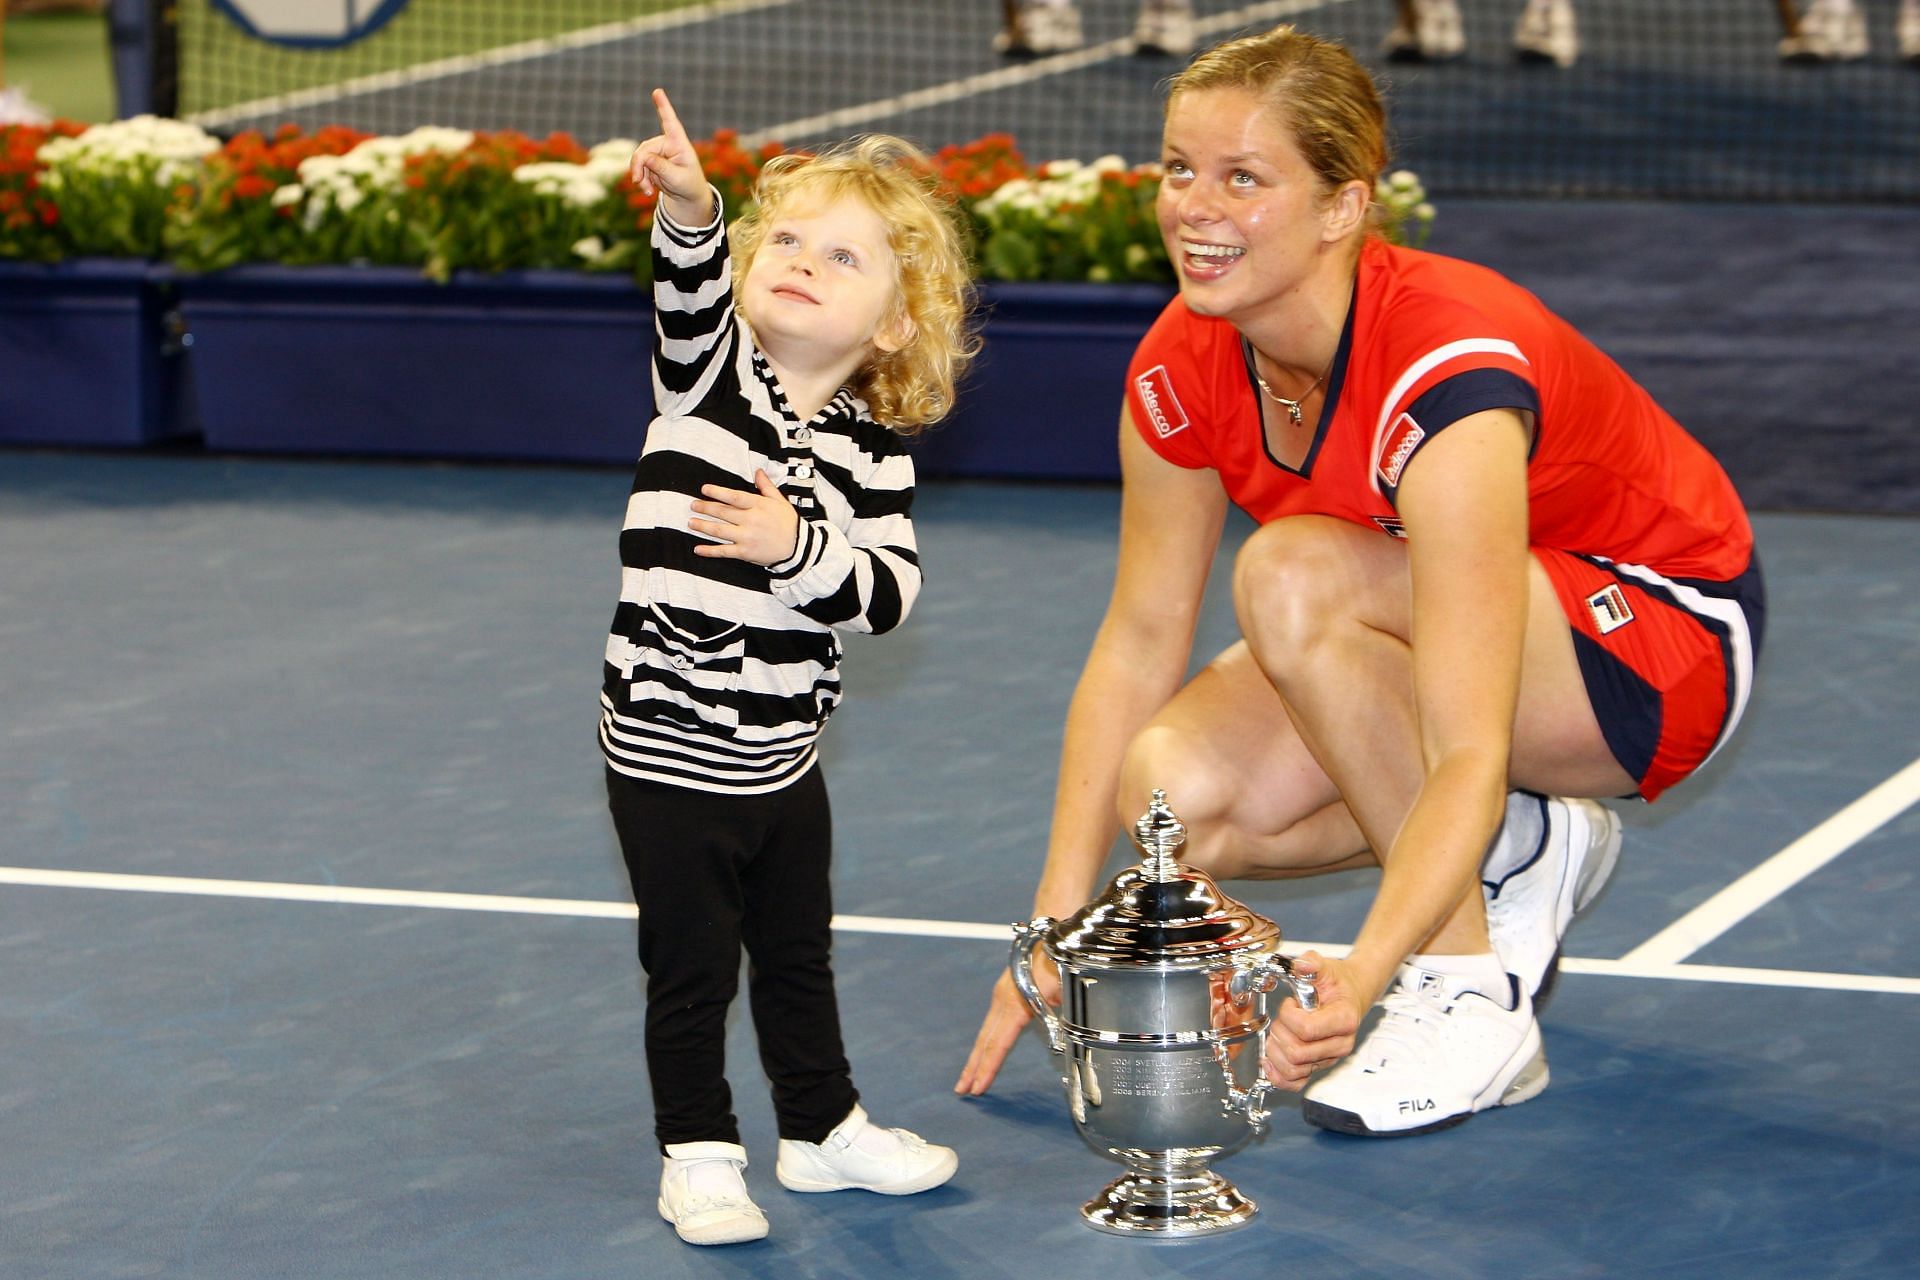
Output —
<point x="770" y="507"/>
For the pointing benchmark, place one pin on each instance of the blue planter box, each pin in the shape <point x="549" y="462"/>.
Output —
<point x="87" y="356"/>
<point x="1043" y="402"/>
<point x="553" y="366"/>
<point x="376" y="360"/>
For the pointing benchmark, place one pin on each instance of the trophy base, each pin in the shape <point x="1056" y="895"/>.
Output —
<point x="1168" y="1206"/>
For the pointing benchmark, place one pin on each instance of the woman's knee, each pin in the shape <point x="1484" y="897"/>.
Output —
<point x="1164" y="757"/>
<point x="1292" y="578"/>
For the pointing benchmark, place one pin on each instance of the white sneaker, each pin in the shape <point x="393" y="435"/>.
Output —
<point x="1040" y="29"/>
<point x="1907" y="31"/>
<point x="1547" y="32"/>
<point x="17" y="108"/>
<point x="1437" y="31"/>
<point x="861" y="1156"/>
<point x="1440" y="1052"/>
<point x="1534" y="893"/>
<point x="1831" y="31"/>
<point x="703" y="1195"/>
<point x="1164" y="27"/>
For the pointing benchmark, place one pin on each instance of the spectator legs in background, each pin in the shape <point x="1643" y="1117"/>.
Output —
<point x="1036" y="28"/>
<point x="1907" y="31"/>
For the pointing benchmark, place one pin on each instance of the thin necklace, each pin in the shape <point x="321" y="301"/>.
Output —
<point x="1291" y="406"/>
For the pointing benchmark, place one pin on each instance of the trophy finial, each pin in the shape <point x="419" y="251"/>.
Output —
<point x="1160" y="834"/>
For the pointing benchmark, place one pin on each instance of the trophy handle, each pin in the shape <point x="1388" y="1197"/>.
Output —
<point x="1020" y="961"/>
<point x="1265" y="972"/>
<point x="1259" y="973"/>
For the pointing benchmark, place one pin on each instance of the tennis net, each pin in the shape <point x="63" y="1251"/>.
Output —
<point x="1664" y="98"/>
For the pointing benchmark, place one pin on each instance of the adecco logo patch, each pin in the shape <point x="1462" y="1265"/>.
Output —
<point x="1162" y="406"/>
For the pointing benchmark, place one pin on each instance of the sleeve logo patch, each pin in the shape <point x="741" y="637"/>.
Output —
<point x="1155" y="389"/>
<point x="1402" y="439"/>
<point x="1609" y="608"/>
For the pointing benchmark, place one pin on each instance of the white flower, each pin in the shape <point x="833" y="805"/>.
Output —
<point x="617" y="150"/>
<point x="144" y="148"/>
<point x="292" y="193"/>
<point x="590" y="248"/>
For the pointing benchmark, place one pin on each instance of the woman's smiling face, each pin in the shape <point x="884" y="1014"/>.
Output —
<point x="1239" y="208"/>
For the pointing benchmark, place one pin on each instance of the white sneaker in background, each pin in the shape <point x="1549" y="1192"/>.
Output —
<point x="1440" y="1051"/>
<point x="17" y="108"/>
<point x="1437" y="28"/>
<point x="1436" y="34"/>
<point x="1040" y="29"/>
<point x="703" y="1195"/>
<point x="1534" y="893"/>
<point x="861" y="1156"/>
<point x="1830" y="31"/>
<point x="1547" y="32"/>
<point x="1164" y="27"/>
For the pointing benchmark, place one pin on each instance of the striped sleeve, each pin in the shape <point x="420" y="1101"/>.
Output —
<point x="1437" y="389"/>
<point x="867" y="576"/>
<point x="692" y="309"/>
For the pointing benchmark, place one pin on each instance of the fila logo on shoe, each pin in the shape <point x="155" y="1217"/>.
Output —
<point x="1414" y="1106"/>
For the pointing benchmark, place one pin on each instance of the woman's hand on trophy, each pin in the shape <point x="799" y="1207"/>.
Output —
<point x="1007" y="1016"/>
<point x="1300" y="1041"/>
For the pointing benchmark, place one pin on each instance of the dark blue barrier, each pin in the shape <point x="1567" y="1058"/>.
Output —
<point x="89" y="354"/>
<point x="552" y="366"/>
<point x="547" y="366"/>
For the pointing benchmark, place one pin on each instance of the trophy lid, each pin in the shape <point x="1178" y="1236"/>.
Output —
<point x="1160" y="912"/>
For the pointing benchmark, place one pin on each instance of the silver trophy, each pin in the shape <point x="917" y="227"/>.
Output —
<point x="1164" y="1004"/>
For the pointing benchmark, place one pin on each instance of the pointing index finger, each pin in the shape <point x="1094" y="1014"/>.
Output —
<point x="670" y="126"/>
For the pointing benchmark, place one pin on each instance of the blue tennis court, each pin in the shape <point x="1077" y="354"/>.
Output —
<point x="322" y="963"/>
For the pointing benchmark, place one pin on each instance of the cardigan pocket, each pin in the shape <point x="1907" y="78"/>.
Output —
<point x="686" y="670"/>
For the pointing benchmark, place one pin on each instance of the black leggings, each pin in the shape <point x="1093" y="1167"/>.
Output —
<point x="712" y="873"/>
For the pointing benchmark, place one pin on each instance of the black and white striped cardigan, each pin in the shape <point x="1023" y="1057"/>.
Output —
<point x="720" y="673"/>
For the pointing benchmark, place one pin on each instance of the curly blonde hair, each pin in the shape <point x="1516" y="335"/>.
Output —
<point x="933" y="281"/>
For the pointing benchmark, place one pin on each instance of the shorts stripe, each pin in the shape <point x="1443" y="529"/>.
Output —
<point x="1668" y="662"/>
<point x="1726" y="617"/>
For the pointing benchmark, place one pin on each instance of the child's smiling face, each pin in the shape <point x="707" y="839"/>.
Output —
<point x="822" y="284"/>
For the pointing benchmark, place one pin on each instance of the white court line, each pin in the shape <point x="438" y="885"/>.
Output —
<point x="42" y="877"/>
<point x="1007" y="77"/>
<point x="504" y="55"/>
<point x="1781" y="872"/>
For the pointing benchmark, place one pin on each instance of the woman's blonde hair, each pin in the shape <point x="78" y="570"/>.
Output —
<point x="1317" y="90"/>
<point x="914" y="386"/>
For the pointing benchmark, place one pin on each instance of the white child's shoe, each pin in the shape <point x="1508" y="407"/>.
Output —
<point x="1441" y="1051"/>
<point x="703" y="1195"/>
<point x="1547" y="32"/>
<point x="860" y="1155"/>
<point x="1550" y="861"/>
